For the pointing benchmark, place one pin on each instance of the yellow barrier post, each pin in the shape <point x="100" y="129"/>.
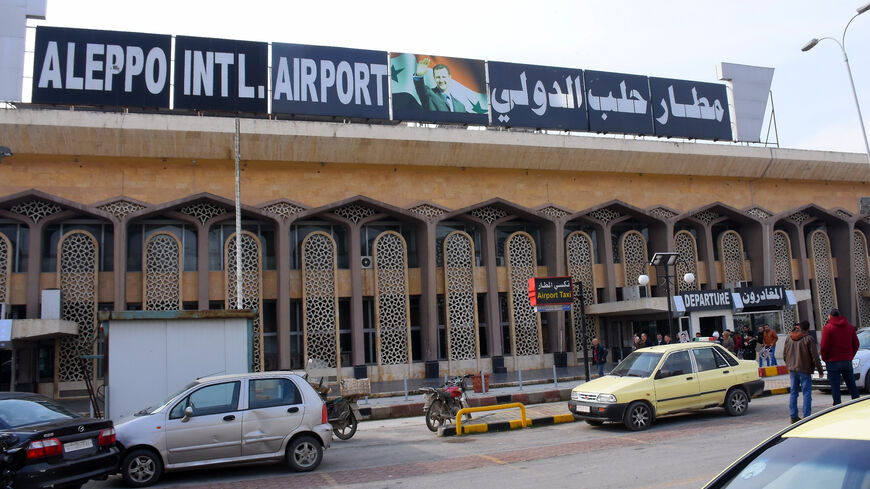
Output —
<point x="496" y="407"/>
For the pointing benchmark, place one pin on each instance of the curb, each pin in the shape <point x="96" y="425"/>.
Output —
<point x="775" y="391"/>
<point x="773" y="371"/>
<point x="508" y="425"/>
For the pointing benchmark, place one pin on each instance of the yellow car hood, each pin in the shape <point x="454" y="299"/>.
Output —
<point x="611" y="384"/>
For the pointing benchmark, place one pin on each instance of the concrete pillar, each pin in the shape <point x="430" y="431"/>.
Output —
<point x="34" y="268"/>
<point x="120" y="264"/>
<point x="202" y="266"/>
<point x="282" y="245"/>
<point x="356" y="296"/>
<point x="493" y="317"/>
<point x="426" y="254"/>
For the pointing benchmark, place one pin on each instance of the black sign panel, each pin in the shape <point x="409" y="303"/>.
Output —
<point x="550" y="291"/>
<point x="438" y="89"/>
<point x="91" y="67"/>
<point x="618" y="103"/>
<point x="773" y="295"/>
<point x="536" y="96"/>
<point x="327" y="81"/>
<point x="690" y="109"/>
<point x="704" y="300"/>
<point x="220" y="74"/>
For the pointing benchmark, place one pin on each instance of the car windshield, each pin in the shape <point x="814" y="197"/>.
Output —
<point x="152" y="409"/>
<point x="15" y="413"/>
<point x="864" y="339"/>
<point x="805" y="462"/>
<point x="638" y="364"/>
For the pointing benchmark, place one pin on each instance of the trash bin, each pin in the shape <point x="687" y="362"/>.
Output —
<point x="475" y="382"/>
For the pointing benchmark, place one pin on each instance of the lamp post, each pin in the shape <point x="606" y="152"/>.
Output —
<point x="666" y="260"/>
<point x="842" y="43"/>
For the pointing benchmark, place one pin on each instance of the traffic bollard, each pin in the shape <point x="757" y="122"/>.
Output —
<point x="406" y="388"/>
<point x="520" y="372"/>
<point x="482" y="382"/>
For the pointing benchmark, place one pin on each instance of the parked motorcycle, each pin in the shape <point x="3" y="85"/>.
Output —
<point x="342" y="412"/>
<point x="443" y="403"/>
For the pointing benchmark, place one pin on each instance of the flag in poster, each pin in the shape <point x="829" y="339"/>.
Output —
<point x="438" y="89"/>
<point x="536" y="96"/>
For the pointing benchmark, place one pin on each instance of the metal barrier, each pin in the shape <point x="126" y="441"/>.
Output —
<point x="525" y="421"/>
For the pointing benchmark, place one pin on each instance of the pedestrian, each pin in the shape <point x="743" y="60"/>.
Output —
<point x="738" y="344"/>
<point x="728" y="341"/>
<point x="750" y="344"/>
<point x="599" y="356"/>
<point x="645" y="340"/>
<point x="759" y="346"/>
<point x="697" y="336"/>
<point x="839" y="345"/>
<point x="770" y="339"/>
<point x="801" y="355"/>
<point x="659" y="340"/>
<point x="667" y="339"/>
<point x="637" y="343"/>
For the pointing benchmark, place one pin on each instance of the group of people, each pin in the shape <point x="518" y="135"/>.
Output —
<point x="747" y="345"/>
<point x="802" y="356"/>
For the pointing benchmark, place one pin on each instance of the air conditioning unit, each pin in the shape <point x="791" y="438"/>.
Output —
<point x="366" y="262"/>
<point x="633" y="293"/>
<point x="736" y="284"/>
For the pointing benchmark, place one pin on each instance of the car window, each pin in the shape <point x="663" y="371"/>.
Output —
<point x="15" y="413"/>
<point x="638" y="364"/>
<point x="803" y="462"/>
<point x="677" y="363"/>
<point x="211" y="399"/>
<point x="864" y="339"/>
<point x="707" y="360"/>
<point x="729" y="358"/>
<point x="263" y="393"/>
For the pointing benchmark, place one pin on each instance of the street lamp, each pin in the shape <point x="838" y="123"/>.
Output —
<point x="667" y="260"/>
<point x="842" y="43"/>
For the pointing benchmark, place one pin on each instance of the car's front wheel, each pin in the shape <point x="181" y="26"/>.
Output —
<point x="141" y="468"/>
<point x="304" y="454"/>
<point x="736" y="402"/>
<point x="638" y="416"/>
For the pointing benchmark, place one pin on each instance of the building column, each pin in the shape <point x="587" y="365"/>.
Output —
<point x="120" y="264"/>
<point x="202" y="266"/>
<point x="356" y="296"/>
<point x="34" y="268"/>
<point x="282" y="243"/>
<point x="426" y="254"/>
<point x="493" y="316"/>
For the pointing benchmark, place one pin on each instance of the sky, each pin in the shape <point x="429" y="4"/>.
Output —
<point x="815" y="108"/>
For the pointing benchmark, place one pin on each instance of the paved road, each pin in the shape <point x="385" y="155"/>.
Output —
<point x="681" y="451"/>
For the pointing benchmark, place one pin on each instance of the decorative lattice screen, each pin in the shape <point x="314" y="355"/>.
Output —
<point x="687" y="247"/>
<point x="460" y="300"/>
<point x="320" y="300"/>
<point x="824" y="290"/>
<point x="634" y="257"/>
<point x="77" y="255"/>
<point x="392" y="311"/>
<point x="782" y="272"/>
<point x="162" y="274"/>
<point x="5" y="266"/>
<point x="522" y="265"/>
<point x="252" y="288"/>
<point x="862" y="277"/>
<point x="731" y="254"/>
<point x="581" y="266"/>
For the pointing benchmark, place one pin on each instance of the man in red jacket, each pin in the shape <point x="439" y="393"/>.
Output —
<point x="839" y="345"/>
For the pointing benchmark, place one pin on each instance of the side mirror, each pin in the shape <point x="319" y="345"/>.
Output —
<point x="188" y="413"/>
<point x="661" y="374"/>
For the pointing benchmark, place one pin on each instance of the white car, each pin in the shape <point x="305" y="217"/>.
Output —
<point x="227" y="419"/>
<point x="860" y="365"/>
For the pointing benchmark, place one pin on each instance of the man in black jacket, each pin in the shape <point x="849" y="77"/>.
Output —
<point x="599" y="356"/>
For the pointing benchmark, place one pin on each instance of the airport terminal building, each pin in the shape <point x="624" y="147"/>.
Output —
<point x="395" y="249"/>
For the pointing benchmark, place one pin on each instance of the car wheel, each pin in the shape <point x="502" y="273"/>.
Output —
<point x="594" y="422"/>
<point x="867" y="382"/>
<point x="347" y="431"/>
<point x="304" y="454"/>
<point x="638" y="416"/>
<point x="435" y="415"/>
<point x="141" y="468"/>
<point x="736" y="402"/>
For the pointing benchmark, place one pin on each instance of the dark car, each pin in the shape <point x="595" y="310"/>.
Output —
<point x="54" y="447"/>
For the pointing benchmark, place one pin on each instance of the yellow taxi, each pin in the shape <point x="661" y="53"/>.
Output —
<point x="828" y="450"/>
<point x="667" y="379"/>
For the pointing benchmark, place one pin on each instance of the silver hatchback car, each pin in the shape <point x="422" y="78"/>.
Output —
<point x="227" y="419"/>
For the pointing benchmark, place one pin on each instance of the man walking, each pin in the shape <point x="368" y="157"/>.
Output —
<point x="599" y="356"/>
<point x="802" y="357"/>
<point x="770" y="338"/>
<point x="839" y="345"/>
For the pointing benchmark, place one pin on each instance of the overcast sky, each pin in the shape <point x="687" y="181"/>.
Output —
<point x="666" y="38"/>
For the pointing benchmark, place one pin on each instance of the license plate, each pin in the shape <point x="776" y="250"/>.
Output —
<point x="77" y="445"/>
<point x="583" y="409"/>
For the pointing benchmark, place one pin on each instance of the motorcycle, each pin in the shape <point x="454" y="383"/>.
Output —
<point x="342" y="412"/>
<point x="443" y="403"/>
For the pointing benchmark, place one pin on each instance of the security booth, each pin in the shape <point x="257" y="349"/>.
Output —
<point x="152" y="354"/>
<point x="18" y="344"/>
